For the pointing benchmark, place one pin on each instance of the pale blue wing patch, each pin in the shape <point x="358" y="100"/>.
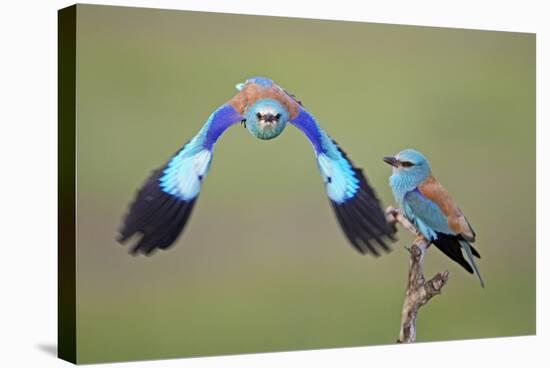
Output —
<point x="184" y="173"/>
<point x="340" y="181"/>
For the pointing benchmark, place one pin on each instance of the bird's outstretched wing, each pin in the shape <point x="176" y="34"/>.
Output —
<point x="354" y="202"/>
<point x="164" y="203"/>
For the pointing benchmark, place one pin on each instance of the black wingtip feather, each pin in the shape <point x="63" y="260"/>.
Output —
<point x="349" y="232"/>
<point x="158" y="216"/>
<point x="362" y="219"/>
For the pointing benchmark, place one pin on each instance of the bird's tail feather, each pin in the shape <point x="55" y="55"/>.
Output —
<point x="468" y="249"/>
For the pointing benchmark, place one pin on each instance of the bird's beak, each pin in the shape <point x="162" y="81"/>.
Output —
<point x="391" y="161"/>
<point x="269" y="118"/>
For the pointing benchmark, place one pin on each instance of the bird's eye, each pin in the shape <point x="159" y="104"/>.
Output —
<point x="258" y="115"/>
<point x="278" y="116"/>
<point x="406" y="164"/>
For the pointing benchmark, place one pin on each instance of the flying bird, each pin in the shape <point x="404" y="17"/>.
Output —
<point x="428" y="205"/>
<point x="164" y="203"/>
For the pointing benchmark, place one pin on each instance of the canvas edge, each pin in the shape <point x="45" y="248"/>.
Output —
<point x="66" y="212"/>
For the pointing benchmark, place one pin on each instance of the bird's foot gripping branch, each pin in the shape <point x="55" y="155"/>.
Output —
<point x="419" y="291"/>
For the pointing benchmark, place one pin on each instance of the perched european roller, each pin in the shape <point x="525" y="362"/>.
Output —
<point x="428" y="205"/>
<point x="163" y="205"/>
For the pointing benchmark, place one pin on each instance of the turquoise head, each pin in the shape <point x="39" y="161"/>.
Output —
<point x="266" y="118"/>
<point x="410" y="169"/>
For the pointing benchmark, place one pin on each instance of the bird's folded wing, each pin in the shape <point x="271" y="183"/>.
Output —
<point x="354" y="202"/>
<point x="164" y="203"/>
<point x="430" y="220"/>
<point x="457" y="222"/>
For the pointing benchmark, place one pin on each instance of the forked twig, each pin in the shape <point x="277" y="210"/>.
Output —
<point x="419" y="291"/>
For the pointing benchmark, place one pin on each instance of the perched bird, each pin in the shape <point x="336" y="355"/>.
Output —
<point x="428" y="205"/>
<point x="163" y="205"/>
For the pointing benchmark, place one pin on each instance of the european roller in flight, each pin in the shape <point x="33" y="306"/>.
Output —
<point x="164" y="203"/>
<point x="429" y="206"/>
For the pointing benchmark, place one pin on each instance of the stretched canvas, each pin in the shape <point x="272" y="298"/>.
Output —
<point x="289" y="245"/>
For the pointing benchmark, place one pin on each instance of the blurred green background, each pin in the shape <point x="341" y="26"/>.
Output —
<point x="263" y="265"/>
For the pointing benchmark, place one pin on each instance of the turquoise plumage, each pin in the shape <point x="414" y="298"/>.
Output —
<point x="428" y="205"/>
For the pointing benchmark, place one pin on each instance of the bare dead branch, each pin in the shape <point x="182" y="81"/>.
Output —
<point x="419" y="291"/>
